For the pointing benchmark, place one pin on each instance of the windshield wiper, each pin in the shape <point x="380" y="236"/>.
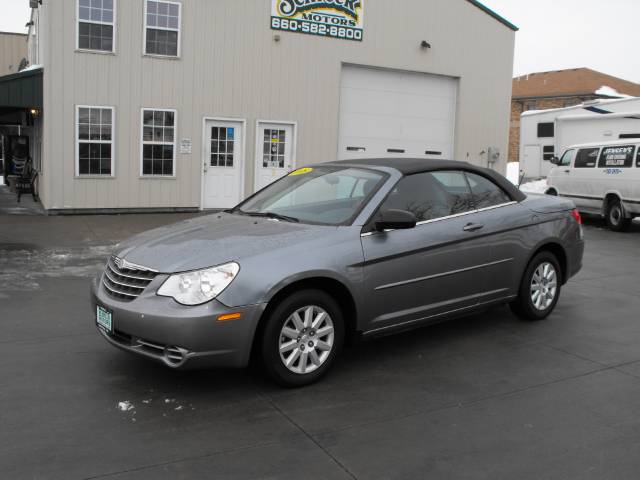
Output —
<point x="273" y="215"/>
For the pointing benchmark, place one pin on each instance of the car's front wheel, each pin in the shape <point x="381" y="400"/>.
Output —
<point x="540" y="288"/>
<point x="303" y="335"/>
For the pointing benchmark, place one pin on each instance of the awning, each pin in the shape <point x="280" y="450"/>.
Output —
<point x="21" y="90"/>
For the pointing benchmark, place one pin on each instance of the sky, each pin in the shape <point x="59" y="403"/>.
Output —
<point x="554" y="34"/>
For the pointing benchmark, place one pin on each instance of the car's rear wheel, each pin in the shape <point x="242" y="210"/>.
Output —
<point x="615" y="216"/>
<point x="540" y="288"/>
<point x="303" y="335"/>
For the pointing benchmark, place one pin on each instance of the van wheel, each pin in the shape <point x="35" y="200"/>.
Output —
<point x="615" y="216"/>
<point x="552" y="192"/>
<point x="539" y="289"/>
<point x="302" y="338"/>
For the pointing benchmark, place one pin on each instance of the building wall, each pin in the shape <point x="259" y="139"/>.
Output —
<point x="13" y="48"/>
<point x="518" y="106"/>
<point x="232" y="67"/>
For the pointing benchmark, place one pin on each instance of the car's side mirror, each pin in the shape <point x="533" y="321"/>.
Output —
<point x="395" y="220"/>
<point x="554" y="160"/>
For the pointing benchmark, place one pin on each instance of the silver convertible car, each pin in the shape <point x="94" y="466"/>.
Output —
<point x="331" y="252"/>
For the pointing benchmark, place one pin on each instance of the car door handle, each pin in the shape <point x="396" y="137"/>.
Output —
<point x="472" y="227"/>
<point x="567" y="171"/>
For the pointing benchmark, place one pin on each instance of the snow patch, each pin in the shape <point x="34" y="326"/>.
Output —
<point x="539" y="186"/>
<point x="611" y="92"/>
<point x="31" y="67"/>
<point x="513" y="172"/>
<point x="125" y="406"/>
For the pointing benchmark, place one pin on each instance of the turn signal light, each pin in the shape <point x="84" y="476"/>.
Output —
<point x="229" y="316"/>
<point x="576" y="215"/>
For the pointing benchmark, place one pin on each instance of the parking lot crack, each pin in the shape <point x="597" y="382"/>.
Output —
<point x="309" y="436"/>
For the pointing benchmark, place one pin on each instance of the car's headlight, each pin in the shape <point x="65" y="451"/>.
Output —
<point x="200" y="286"/>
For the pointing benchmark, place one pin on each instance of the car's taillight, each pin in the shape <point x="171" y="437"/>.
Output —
<point x="576" y="215"/>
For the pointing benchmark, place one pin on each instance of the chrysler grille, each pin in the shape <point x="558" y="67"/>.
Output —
<point x="126" y="281"/>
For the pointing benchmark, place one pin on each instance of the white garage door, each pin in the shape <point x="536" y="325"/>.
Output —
<point x="387" y="113"/>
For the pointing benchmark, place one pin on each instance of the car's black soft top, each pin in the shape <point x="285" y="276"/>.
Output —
<point x="411" y="166"/>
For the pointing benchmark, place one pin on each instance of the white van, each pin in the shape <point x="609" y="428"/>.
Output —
<point x="601" y="178"/>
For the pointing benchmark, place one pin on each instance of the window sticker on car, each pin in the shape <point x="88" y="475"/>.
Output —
<point x="301" y="171"/>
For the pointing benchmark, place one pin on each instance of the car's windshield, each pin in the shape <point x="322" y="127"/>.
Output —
<point x="321" y="195"/>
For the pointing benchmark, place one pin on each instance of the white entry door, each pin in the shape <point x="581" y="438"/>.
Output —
<point x="275" y="144"/>
<point x="531" y="161"/>
<point x="223" y="164"/>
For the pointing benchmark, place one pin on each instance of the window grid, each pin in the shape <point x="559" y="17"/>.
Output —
<point x="96" y="25"/>
<point x="158" y="142"/>
<point x="222" y="146"/>
<point x="274" y="148"/>
<point x="162" y="28"/>
<point x="94" y="141"/>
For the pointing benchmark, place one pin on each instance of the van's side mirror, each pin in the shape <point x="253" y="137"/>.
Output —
<point x="555" y="160"/>
<point x="395" y="220"/>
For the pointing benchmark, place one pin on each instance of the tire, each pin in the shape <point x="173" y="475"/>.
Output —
<point x="615" y="216"/>
<point x="552" y="192"/>
<point x="530" y="306"/>
<point x="317" y="345"/>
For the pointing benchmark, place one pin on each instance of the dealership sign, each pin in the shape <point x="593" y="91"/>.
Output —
<point x="327" y="18"/>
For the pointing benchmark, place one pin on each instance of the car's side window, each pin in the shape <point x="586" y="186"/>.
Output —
<point x="586" y="158"/>
<point x="638" y="158"/>
<point x="567" y="158"/>
<point x="486" y="193"/>
<point x="431" y="195"/>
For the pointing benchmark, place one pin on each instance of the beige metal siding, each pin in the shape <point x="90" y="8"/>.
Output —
<point x="13" y="48"/>
<point x="232" y="67"/>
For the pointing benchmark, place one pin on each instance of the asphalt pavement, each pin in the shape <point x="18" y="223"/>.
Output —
<point x="484" y="397"/>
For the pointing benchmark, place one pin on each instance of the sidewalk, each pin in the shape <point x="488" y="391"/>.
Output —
<point x="9" y="203"/>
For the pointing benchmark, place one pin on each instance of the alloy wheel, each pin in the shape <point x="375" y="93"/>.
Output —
<point x="544" y="286"/>
<point x="306" y="339"/>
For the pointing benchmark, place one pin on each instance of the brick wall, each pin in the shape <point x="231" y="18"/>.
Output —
<point x="517" y="107"/>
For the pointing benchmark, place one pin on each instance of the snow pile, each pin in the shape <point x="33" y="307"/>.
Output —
<point x="539" y="186"/>
<point x="125" y="406"/>
<point x="611" y="92"/>
<point x="513" y="172"/>
<point x="31" y="67"/>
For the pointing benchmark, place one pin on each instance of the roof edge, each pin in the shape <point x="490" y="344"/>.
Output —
<point x="14" y="33"/>
<point x="28" y="73"/>
<point x="495" y="15"/>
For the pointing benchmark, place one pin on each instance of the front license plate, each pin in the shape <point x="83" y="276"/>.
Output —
<point x="104" y="318"/>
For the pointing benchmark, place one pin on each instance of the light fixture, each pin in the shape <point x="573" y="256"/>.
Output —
<point x="426" y="45"/>
<point x="34" y="112"/>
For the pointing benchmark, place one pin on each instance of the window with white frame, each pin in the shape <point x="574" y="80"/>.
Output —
<point x="162" y="28"/>
<point x="96" y="22"/>
<point x="94" y="140"/>
<point x="158" y="142"/>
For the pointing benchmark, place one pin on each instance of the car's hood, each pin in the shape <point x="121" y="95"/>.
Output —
<point x="212" y="240"/>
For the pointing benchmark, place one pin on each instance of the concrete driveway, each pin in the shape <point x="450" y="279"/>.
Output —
<point x="484" y="397"/>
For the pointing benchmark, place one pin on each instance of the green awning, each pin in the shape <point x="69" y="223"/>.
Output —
<point x="21" y="90"/>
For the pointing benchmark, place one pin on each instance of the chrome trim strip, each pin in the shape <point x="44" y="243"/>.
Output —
<point x="444" y="274"/>
<point x="130" y="266"/>
<point x="118" y="292"/>
<point x="448" y="312"/>
<point x="133" y="277"/>
<point x="448" y="217"/>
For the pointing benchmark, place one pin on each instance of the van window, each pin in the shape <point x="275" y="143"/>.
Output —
<point x="638" y="159"/>
<point x="567" y="158"/>
<point x="586" y="158"/>
<point x="620" y="157"/>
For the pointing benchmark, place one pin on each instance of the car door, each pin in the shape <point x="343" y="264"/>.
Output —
<point x="585" y="187"/>
<point x="500" y="222"/>
<point x="560" y="176"/>
<point x="421" y="274"/>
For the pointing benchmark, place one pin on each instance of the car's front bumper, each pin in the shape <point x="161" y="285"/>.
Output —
<point x="161" y="329"/>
